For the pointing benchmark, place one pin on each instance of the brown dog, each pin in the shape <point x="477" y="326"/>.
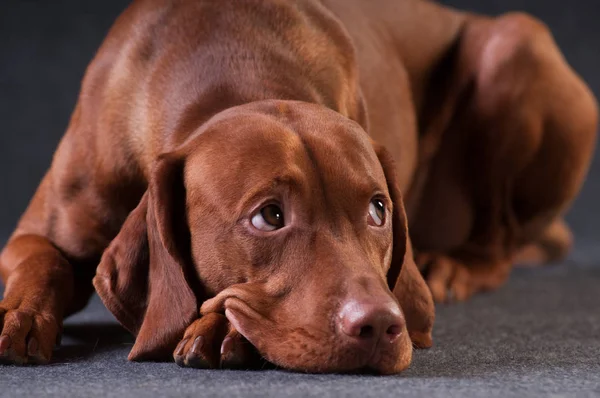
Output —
<point x="229" y="166"/>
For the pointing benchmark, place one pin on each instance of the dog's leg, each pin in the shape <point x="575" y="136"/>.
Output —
<point x="50" y="260"/>
<point x="519" y="148"/>
<point x="39" y="288"/>
<point x="47" y="267"/>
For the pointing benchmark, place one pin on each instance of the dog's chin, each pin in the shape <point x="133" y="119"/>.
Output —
<point x="394" y="360"/>
<point x="327" y="355"/>
<point x="342" y="361"/>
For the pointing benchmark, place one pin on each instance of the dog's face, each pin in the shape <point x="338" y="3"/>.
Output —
<point x="290" y="223"/>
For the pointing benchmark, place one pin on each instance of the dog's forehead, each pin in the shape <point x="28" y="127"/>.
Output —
<point x="245" y="150"/>
<point x="337" y="146"/>
<point x="341" y="150"/>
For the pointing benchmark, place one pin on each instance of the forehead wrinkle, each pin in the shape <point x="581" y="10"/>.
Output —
<point x="348" y="145"/>
<point x="345" y="168"/>
<point x="349" y="174"/>
<point x="259" y="141"/>
<point x="315" y="168"/>
<point x="293" y="180"/>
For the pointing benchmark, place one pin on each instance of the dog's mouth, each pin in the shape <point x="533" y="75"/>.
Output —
<point x="233" y="302"/>
<point x="301" y="347"/>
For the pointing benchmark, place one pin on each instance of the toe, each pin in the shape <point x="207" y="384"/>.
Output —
<point x="439" y="274"/>
<point x="198" y="357"/>
<point x="4" y="344"/>
<point x="202" y="340"/>
<point x="42" y="338"/>
<point x="237" y="352"/>
<point x="17" y="325"/>
<point x="460" y="284"/>
<point x="179" y="353"/>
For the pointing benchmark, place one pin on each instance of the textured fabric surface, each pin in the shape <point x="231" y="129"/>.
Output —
<point x="540" y="335"/>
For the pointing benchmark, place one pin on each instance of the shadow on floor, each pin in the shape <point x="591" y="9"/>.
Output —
<point x="80" y="342"/>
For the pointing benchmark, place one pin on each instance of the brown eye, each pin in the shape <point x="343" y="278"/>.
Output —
<point x="269" y="218"/>
<point x="376" y="213"/>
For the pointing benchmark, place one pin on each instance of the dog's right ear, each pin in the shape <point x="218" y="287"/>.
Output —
<point x="142" y="275"/>
<point x="404" y="278"/>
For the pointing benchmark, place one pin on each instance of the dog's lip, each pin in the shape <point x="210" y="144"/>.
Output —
<point x="234" y="319"/>
<point x="235" y="311"/>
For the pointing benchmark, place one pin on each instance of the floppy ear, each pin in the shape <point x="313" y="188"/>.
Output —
<point x="404" y="278"/>
<point x="142" y="274"/>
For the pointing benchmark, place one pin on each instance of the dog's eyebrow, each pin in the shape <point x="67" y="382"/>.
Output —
<point x="367" y="186"/>
<point x="293" y="181"/>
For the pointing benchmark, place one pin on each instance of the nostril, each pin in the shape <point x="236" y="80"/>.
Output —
<point x="366" y="332"/>
<point x="394" y="331"/>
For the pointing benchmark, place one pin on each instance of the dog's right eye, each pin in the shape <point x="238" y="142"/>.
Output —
<point x="268" y="218"/>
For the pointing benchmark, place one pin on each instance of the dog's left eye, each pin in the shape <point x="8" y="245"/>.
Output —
<point x="268" y="218"/>
<point x="376" y="212"/>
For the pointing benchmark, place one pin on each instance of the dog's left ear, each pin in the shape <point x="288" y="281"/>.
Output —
<point x="404" y="278"/>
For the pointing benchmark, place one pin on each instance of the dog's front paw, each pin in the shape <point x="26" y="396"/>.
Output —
<point x="27" y="336"/>
<point x="212" y="342"/>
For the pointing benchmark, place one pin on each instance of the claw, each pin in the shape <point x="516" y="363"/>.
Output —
<point x="32" y="347"/>
<point x="197" y="346"/>
<point x="232" y="356"/>
<point x="227" y="346"/>
<point x="4" y="344"/>
<point x="181" y="347"/>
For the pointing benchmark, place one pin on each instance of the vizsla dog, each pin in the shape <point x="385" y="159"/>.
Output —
<point x="241" y="177"/>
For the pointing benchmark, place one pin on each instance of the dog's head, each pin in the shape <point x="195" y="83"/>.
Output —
<point x="288" y="219"/>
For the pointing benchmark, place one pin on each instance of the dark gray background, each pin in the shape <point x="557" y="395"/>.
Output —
<point x="45" y="47"/>
<point x="539" y="335"/>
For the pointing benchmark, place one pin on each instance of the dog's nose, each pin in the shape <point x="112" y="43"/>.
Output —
<point x="371" y="320"/>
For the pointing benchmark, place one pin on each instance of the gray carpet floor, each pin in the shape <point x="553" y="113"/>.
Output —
<point x="539" y="335"/>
